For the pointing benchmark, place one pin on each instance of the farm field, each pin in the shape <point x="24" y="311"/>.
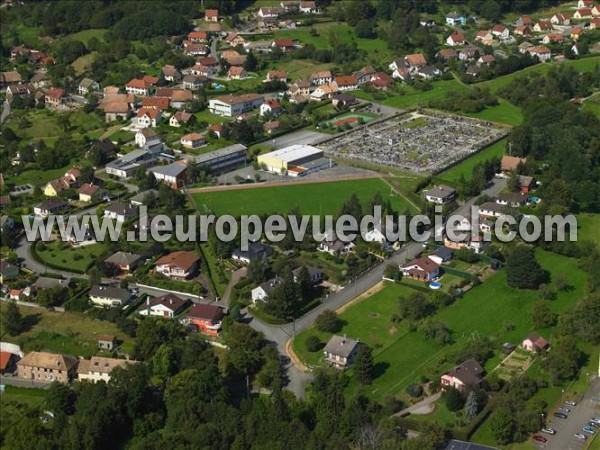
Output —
<point x="465" y="168"/>
<point x="310" y="198"/>
<point x="482" y="312"/>
<point x="69" y="333"/>
<point x="70" y="258"/>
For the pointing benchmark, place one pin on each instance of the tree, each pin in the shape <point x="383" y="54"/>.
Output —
<point x="305" y="283"/>
<point x="12" y="319"/>
<point x="414" y="307"/>
<point x="363" y="364"/>
<point x="251" y="64"/>
<point x="513" y="183"/>
<point x="502" y="425"/>
<point x="328" y="322"/>
<point x="452" y="399"/>
<point x="313" y="343"/>
<point x="472" y="407"/>
<point x="257" y="271"/>
<point x="522" y="269"/>
<point x="245" y="346"/>
<point x="542" y="316"/>
<point x="563" y="362"/>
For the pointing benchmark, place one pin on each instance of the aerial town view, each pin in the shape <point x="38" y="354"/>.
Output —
<point x="329" y="224"/>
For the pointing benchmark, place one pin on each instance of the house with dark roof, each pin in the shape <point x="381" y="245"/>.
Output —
<point x="441" y="194"/>
<point x="421" y="269"/>
<point x="171" y="174"/>
<point x="167" y="306"/>
<point x="315" y="275"/>
<point x="109" y="296"/>
<point x="120" y="211"/>
<point x="50" y="206"/>
<point x="256" y="251"/>
<point x="468" y="374"/>
<point x="8" y="271"/>
<point x="206" y="319"/>
<point x="340" y="351"/>
<point x="125" y="261"/>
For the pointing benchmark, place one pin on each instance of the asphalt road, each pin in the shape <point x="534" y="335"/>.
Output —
<point x="279" y="335"/>
<point x="587" y="408"/>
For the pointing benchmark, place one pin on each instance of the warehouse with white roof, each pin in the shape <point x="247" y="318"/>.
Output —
<point x="295" y="160"/>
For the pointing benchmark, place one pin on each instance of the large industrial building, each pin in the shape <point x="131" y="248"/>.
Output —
<point x="221" y="160"/>
<point x="295" y="160"/>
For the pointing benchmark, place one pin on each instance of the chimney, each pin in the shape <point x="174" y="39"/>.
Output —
<point x="170" y="301"/>
<point x="148" y="300"/>
<point x="344" y="340"/>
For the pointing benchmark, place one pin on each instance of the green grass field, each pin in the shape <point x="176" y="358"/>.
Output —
<point x="37" y="177"/>
<point x="85" y="35"/>
<point x="465" y="168"/>
<point x="505" y="112"/>
<point x="588" y="227"/>
<point x="336" y="120"/>
<point x="310" y="198"/>
<point x="69" y="258"/>
<point x="482" y="312"/>
<point x="70" y="333"/>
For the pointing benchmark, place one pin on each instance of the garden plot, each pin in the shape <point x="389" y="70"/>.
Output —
<point x="514" y="364"/>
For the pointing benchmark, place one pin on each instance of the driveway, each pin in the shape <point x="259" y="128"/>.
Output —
<point x="587" y="408"/>
<point x="5" y="112"/>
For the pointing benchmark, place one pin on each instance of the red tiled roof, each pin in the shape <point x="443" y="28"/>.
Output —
<point x="4" y="360"/>
<point x="206" y="312"/>
<point x="155" y="102"/>
<point x="181" y="259"/>
<point x="286" y="43"/>
<point x="346" y="80"/>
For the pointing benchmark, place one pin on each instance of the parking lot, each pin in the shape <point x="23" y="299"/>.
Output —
<point x="425" y="142"/>
<point x="586" y="408"/>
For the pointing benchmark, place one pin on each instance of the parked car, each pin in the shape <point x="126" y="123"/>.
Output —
<point x="595" y="420"/>
<point x="548" y="430"/>
<point x="564" y="409"/>
<point x="571" y="402"/>
<point x="593" y="424"/>
<point x="560" y="415"/>
<point x="538" y="438"/>
<point x="588" y="429"/>
<point x="581" y="436"/>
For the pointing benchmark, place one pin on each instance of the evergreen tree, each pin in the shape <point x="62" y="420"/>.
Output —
<point x="522" y="269"/>
<point x="472" y="405"/>
<point x="251" y="64"/>
<point x="12" y="319"/>
<point x="363" y="364"/>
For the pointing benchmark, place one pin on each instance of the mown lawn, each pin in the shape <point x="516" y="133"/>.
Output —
<point x="588" y="227"/>
<point x="70" y="258"/>
<point x="70" y="333"/>
<point x="465" y="168"/>
<point x="37" y="177"/>
<point x="313" y="198"/>
<point x="85" y="35"/>
<point x="505" y="112"/>
<point x="403" y="356"/>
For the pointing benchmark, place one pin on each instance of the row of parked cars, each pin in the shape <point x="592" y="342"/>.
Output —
<point x="562" y="413"/>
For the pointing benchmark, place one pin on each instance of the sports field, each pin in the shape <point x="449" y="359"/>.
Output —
<point x="309" y="198"/>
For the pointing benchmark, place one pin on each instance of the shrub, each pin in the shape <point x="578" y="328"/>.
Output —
<point x="414" y="390"/>
<point x="313" y="344"/>
<point x="328" y="322"/>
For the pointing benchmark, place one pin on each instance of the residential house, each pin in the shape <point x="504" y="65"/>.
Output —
<point x="171" y="174"/>
<point x="143" y="198"/>
<point x="428" y="72"/>
<point x="522" y="30"/>
<point x="285" y="45"/>
<point x="88" y="192"/>
<point x="455" y="39"/>
<point x="211" y="15"/>
<point x="583" y="13"/>
<point x="180" y="118"/>
<point x="50" y="206"/>
<point x="47" y="367"/>
<point x="179" y="265"/>
<point x="585" y="3"/>
<point x="510" y="163"/>
<point x="512" y="199"/>
<point x="198" y="37"/>
<point x="256" y="251"/>
<point x="308" y="7"/>
<point x="323" y="92"/>
<point x="193" y="140"/>
<point x="340" y="351"/>
<point x="492" y="209"/>
<point x="40" y="80"/>
<point x="235" y="40"/>
<point x="381" y="81"/>
<point x="334" y="246"/>
<point x="19" y="90"/>
<point x="195" y="49"/>
<point x="342" y="100"/>
<point x="300" y="87"/>
<point x="595" y="23"/>
<point x="167" y="306"/>
<point x="277" y="75"/>
<point x="596" y="11"/>
<point x="575" y="33"/>
<point x="468" y="53"/>
<point x="501" y="32"/>
<point x="271" y="107"/>
<point x="421" y="269"/>
<point x="486" y="60"/>
<point x="8" y="271"/>
<point x="526" y="183"/>
<point x="270" y="12"/>
<point x="551" y="38"/>
<point x="206" y="318"/>
<point x="543" y="26"/>
<point x="146" y="137"/>
<point x="262" y="292"/>
<point x="415" y="61"/>
<point x="8" y="362"/>
<point x="107" y="149"/>
<point x="106" y="342"/>
<point x="124" y="261"/>
<point x="563" y="18"/>
<point x="315" y="275"/>
<point x="322" y="77"/>
<point x="216" y="128"/>
<point x="441" y="255"/>
<point x="364" y="75"/>
<point x="271" y="126"/>
<point x="99" y="368"/>
<point x="87" y="85"/>
<point x="534" y="343"/>
<point x="9" y="78"/>
<point x="455" y="18"/>
<point x="346" y="83"/>
<point x="465" y="375"/>
<point x="115" y="110"/>
<point x="120" y="211"/>
<point x="170" y="73"/>
<point x="56" y="187"/>
<point x="148" y="117"/>
<point x="541" y="51"/>
<point x="441" y="194"/>
<point x="237" y="73"/>
<point x="109" y="296"/>
<point x="56" y="98"/>
<point x="485" y="37"/>
<point x="141" y="86"/>
<point x="234" y="105"/>
<point x="194" y="82"/>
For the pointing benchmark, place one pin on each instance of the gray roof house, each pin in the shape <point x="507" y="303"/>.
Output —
<point x="109" y="296"/>
<point x="140" y="198"/>
<point x="120" y="211"/>
<point x="340" y="351"/>
<point x="440" y="194"/>
<point x="316" y="276"/>
<point x="124" y="260"/>
<point x="256" y="250"/>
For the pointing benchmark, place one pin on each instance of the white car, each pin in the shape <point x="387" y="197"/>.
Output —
<point x="581" y="436"/>
<point x="571" y="402"/>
